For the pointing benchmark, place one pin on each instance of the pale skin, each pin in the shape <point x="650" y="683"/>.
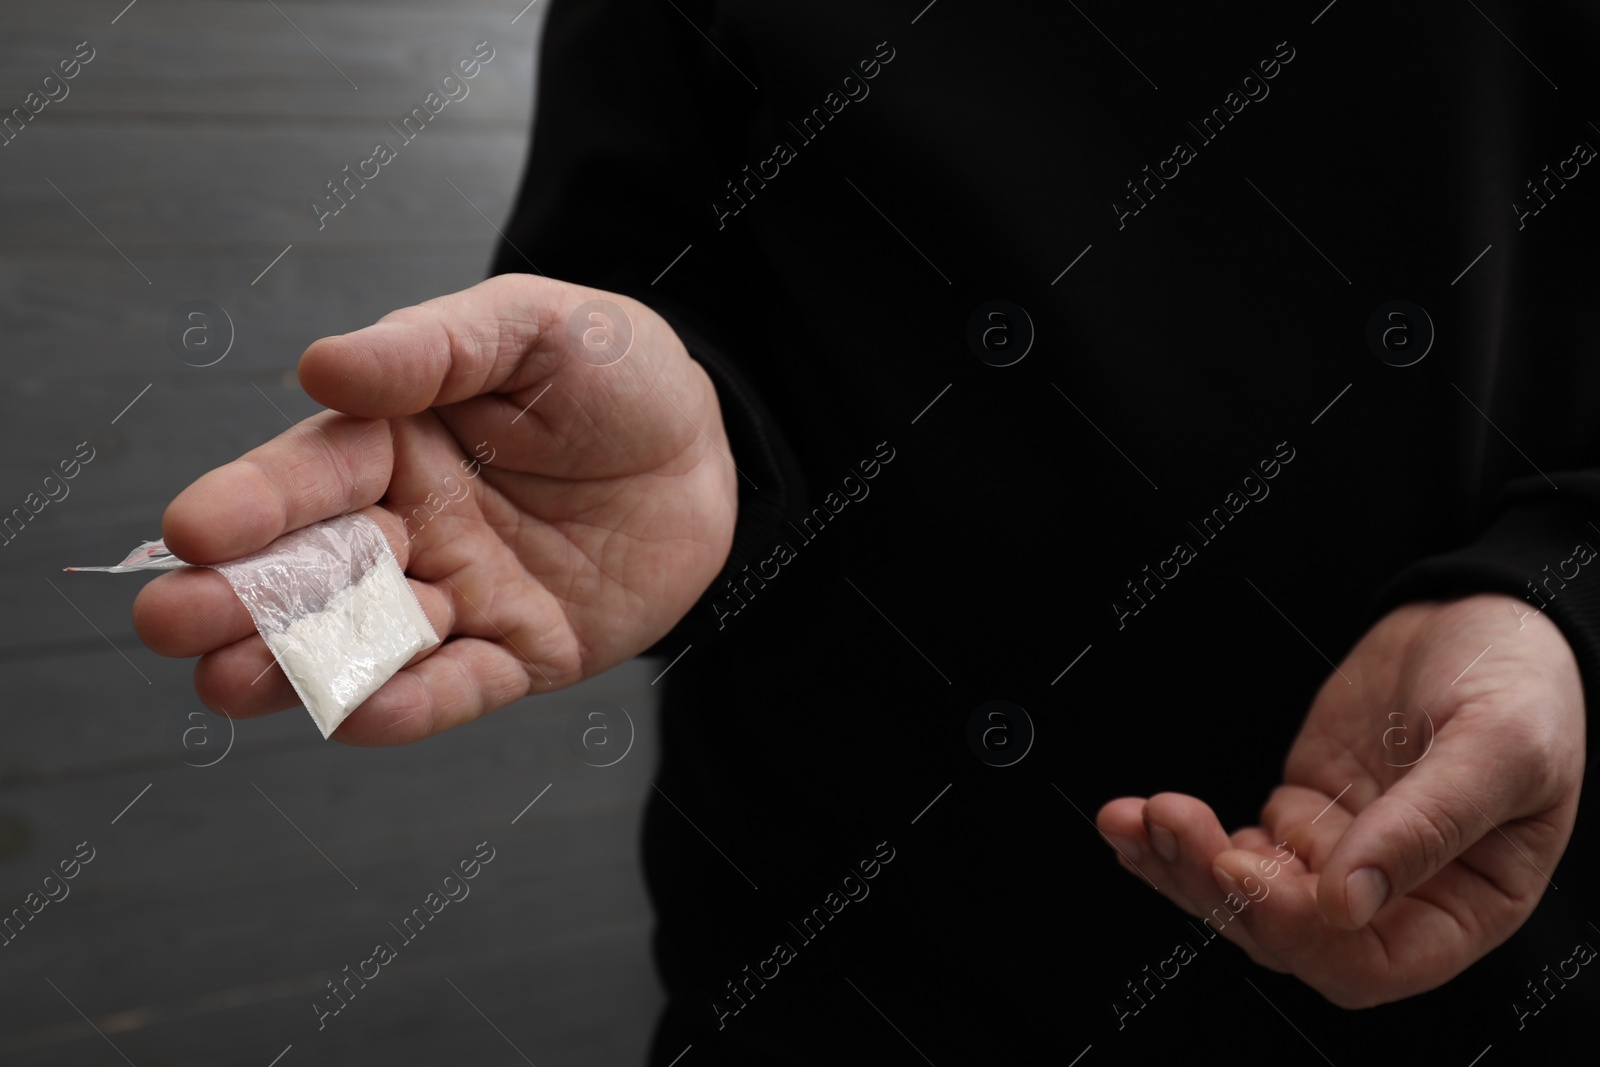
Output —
<point x="1464" y="838"/>
<point x="607" y="508"/>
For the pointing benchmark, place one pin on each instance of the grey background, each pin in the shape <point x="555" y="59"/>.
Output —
<point x="208" y="923"/>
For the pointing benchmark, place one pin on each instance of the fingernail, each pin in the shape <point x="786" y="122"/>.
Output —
<point x="1127" y="846"/>
<point x="1365" y="891"/>
<point x="1166" y="842"/>
<point x="1225" y="880"/>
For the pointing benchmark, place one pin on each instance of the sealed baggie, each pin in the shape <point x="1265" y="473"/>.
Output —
<point x="330" y="601"/>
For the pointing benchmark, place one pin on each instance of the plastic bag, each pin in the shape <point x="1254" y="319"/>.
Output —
<point x="332" y="604"/>
<point x="150" y="556"/>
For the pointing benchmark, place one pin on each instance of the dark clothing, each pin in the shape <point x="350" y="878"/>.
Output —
<point x="820" y="197"/>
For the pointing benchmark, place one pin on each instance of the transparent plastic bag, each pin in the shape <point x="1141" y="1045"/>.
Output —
<point x="150" y="556"/>
<point x="332" y="604"/>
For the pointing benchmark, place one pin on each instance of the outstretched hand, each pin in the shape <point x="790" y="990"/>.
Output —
<point x="557" y="508"/>
<point x="1424" y="806"/>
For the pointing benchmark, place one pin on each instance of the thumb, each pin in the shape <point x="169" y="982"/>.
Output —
<point x="502" y="335"/>
<point x="438" y="352"/>
<point x="1442" y="807"/>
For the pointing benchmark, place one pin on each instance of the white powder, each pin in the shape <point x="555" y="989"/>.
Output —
<point x="337" y="657"/>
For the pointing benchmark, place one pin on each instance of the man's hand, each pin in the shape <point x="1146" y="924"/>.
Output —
<point x="556" y="514"/>
<point x="1417" y="848"/>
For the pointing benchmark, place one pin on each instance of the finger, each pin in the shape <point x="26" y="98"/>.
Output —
<point x="445" y="350"/>
<point x="245" y="679"/>
<point x="463" y="680"/>
<point x="1186" y="834"/>
<point x="1282" y="917"/>
<point x="189" y="612"/>
<point x="320" y="468"/>
<point x="192" y="611"/>
<point x="1121" y="825"/>
<point x="1308" y="822"/>
<point x="1417" y="944"/>
<point x="1252" y="839"/>
<point x="1439" y="809"/>
<point x="497" y="362"/>
<point x="1185" y="878"/>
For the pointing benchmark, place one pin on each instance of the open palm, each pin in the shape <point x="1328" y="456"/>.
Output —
<point x="1427" y="800"/>
<point x="556" y="508"/>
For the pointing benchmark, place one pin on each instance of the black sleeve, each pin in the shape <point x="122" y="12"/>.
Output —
<point x="637" y="113"/>
<point x="1538" y="544"/>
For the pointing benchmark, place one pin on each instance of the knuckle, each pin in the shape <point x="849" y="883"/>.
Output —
<point x="1433" y="832"/>
<point x="1519" y="737"/>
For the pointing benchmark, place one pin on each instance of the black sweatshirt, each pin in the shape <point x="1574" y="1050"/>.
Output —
<point x="1121" y="364"/>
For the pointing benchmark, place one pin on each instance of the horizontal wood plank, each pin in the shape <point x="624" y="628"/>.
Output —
<point x="91" y="191"/>
<point x="181" y="166"/>
<point x="176" y="59"/>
